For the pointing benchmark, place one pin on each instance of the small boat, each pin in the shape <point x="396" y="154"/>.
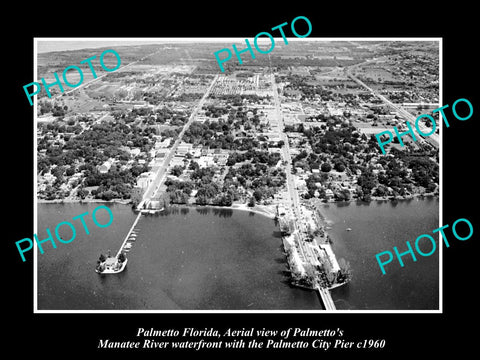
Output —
<point x="349" y="229"/>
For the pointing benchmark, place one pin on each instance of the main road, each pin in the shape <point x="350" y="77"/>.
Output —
<point x="326" y="298"/>
<point x="306" y="250"/>
<point x="162" y="170"/>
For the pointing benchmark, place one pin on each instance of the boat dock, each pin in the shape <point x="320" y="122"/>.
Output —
<point x="130" y="238"/>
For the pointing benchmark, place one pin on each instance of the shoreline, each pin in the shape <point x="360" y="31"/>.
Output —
<point x="263" y="210"/>
<point x="127" y="201"/>
<point x="327" y="222"/>
<point x="257" y="209"/>
<point x="79" y="201"/>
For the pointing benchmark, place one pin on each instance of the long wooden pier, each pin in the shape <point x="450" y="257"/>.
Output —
<point x="162" y="171"/>
<point x="129" y="234"/>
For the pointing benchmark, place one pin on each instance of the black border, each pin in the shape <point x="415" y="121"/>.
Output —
<point x="408" y="334"/>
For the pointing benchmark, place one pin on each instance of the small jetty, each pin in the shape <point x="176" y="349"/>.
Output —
<point x="116" y="264"/>
<point x="130" y="238"/>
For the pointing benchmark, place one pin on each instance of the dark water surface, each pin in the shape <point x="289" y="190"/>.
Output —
<point x="190" y="259"/>
<point x="377" y="227"/>
<point x="221" y="259"/>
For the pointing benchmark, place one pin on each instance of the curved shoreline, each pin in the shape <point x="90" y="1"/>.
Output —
<point x="78" y="201"/>
<point x="263" y="210"/>
<point x="258" y="209"/>
<point x="328" y="222"/>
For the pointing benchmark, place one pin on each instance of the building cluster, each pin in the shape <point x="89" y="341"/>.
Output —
<point x="326" y="101"/>
<point x="288" y="145"/>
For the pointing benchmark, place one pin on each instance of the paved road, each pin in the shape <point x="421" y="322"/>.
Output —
<point x="327" y="298"/>
<point x="285" y="149"/>
<point x="162" y="171"/>
<point x="433" y="139"/>
<point x="305" y="249"/>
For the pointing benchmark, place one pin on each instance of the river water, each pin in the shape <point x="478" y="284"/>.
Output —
<point x="190" y="259"/>
<point x="222" y="259"/>
<point x="377" y="227"/>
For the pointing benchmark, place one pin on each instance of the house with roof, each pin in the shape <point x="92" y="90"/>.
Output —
<point x="145" y="179"/>
<point x="329" y="194"/>
<point x="105" y="167"/>
<point x="206" y="161"/>
<point x="184" y="149"/>
<point x="177" y="160"/>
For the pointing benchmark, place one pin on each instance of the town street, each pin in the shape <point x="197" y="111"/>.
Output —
<point x="162" y="170"/>
<point x="307" y="252"/>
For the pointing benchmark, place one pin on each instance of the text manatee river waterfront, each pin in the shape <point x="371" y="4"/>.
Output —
<point x="250" y="338"/>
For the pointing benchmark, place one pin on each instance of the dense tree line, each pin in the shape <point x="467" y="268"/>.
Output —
<point x="91" y="149"/>
<point x="208" y="192"/>
<point x="156" y="98"/>
<point x="263" y="180"/>
<point x="47" y="106"/>
<point x="334" y="148"/>
<point x="179" y="191"/>
<point x="258" y="177"/>
<point x="152" y="117"/>
<point x="215" y="111"/>
<point x="237" y="100"/>
<point x="115" y="183"/>
<point x="170" y="133"/>
<point x="107" y="134"/>
<point x="256" y="156"/>
<point x="219" y="134"/>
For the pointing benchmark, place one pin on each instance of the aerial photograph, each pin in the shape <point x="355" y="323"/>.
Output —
<point x="258" y="188"/>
